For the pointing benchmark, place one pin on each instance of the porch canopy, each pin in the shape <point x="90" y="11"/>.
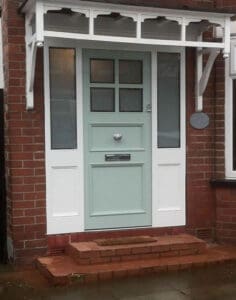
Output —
<point x="84" y="20"/>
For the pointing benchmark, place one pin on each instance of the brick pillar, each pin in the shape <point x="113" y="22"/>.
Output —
<point x="220" y="118"/>
<point x="200" y="155"/>
<point x="24" y="145"/>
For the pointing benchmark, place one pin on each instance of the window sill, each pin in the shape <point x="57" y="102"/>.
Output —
<point x="223" y="182"/>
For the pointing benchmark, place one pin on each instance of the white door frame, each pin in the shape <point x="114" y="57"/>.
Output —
<point x="72" y="220"/>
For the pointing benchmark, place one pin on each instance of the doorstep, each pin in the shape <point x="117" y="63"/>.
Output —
<point x="88" y="262"/>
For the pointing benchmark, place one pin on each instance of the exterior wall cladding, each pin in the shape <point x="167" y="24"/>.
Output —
<point x="208" y="207"/>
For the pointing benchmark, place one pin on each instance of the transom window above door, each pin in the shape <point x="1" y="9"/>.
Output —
<point x="116" y="85"/>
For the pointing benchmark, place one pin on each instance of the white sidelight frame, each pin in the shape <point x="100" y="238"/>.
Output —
<point x="91" y="10"/>
<point x="67" y="160"/>
<point x="173" y="211"/>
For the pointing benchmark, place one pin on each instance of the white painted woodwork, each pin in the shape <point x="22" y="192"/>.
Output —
<point x="202" y="75"/>
<point x="230" y="75"/>
<point x="64" y="168"/>
<point x="219" y="31"/>
<point x="187" y="37"/>
<point x="168" y="165"/>
<point x="229" y="172"/>
<point x="233" y="28"/>
<point x="198" y="74"/>
<point x="233" y="57"/>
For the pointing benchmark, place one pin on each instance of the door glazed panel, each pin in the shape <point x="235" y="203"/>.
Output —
<point x="117" y="135"/>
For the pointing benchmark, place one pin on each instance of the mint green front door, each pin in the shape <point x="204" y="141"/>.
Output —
<point x="117" y="139"/>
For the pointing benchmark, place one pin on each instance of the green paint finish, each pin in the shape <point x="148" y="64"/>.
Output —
<point x="117" y="193"/>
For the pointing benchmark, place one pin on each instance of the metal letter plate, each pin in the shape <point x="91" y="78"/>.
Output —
<point x="117" y="157"/>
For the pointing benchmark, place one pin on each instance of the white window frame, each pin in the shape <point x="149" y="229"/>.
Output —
<point x="229" y="77"/>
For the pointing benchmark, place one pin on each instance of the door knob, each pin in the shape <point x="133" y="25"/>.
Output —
<point x="149" y="108"/>
<point x="117" y="137"/>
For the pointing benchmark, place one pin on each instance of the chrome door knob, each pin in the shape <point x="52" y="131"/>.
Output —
<point x="149" y="108"/>
<point x="117" y="137"/>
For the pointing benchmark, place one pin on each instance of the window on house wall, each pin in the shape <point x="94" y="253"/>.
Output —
<point x="63" y="98"/>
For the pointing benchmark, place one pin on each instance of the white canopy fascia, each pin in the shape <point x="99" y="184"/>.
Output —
<point x="38" y="8"/>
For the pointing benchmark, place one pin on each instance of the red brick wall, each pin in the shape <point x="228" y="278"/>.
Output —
<point x="226" y="214"/>
<point x="225" y="4"/>
<point x="24" y="142"/>
<point x="25" y="147"/>
<point x="200" y="155"/>
<point x="219" y="134"/>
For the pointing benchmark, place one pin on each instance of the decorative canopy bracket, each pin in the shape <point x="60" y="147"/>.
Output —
<point x="31" y="53"/>
<point x="202" y="75"/>
<point x="33" y="41"/>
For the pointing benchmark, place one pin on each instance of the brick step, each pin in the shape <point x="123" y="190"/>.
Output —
<point x="61" y="270"/>
<point x="85" y="253"/>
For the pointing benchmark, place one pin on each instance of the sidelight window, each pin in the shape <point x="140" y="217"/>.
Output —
<point x="63" y="98"/>
<point x="168" y="107"/>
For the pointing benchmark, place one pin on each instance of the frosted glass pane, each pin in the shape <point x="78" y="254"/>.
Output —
<point x="63" y="124"/>
<point x="168" y="100"/>
<point x="63" y="98"/>
<point x="131" y="100"/>
<point x="102" y="99"/>
<point x="161" y="28"/>
<point x="131" y="71"/>
<point x="114" y="25"/>
<point x="66" y="21"/>
<point x="102" y="71"/>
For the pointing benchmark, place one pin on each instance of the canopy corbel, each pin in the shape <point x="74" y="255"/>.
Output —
<point x="203" y="74"/>
<point x="30" y="71"/>
<point x="34" y="40"/>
